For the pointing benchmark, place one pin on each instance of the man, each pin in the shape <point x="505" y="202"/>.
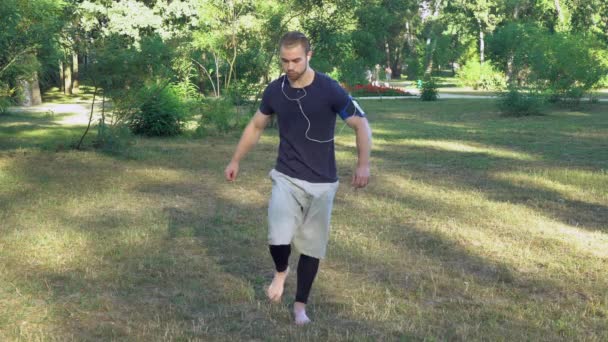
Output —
<point x="304" y="179"/>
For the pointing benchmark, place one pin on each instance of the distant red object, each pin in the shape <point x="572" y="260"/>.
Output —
<point x="372" y="90"/>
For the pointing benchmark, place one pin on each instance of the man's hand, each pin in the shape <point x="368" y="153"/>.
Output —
<point x="361" y="177"/>
<point x="364" y="146"/>
<point x="232" y="170"/>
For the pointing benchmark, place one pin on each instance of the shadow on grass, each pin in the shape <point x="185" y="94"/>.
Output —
<point x="474" y="170"/>
<point x="36" y="131"/>
<point x="55" y="95"/>
<point x="202" y="271"/>
<point x="562" y="143"/>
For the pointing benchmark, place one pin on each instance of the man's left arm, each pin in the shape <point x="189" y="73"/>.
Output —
<point x="364" y="146"/>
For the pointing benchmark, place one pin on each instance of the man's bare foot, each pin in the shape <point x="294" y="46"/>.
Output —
<point x="299" y="311"/>
<point x="275" y="290"/>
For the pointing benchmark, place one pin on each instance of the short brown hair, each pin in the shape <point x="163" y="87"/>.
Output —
<point x="294" y="38"/>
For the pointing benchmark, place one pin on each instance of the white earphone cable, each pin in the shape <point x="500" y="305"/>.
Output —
<point x="297" y="100"/>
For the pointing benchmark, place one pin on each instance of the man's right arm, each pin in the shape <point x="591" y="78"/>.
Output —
<point x="251" y="135"/>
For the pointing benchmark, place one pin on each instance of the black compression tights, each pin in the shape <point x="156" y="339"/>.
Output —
<point x="307" y="269"/>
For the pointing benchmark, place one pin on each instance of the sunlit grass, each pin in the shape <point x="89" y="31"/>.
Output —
<point x="456" y="146"/>
<point x="573" y="184"/>
<point x="474" y="227"/>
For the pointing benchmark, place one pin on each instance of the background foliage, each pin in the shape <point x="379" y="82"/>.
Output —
<point x="229" y="48"/>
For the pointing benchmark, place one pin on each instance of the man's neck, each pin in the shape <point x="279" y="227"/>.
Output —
<point x="304" y="80"/>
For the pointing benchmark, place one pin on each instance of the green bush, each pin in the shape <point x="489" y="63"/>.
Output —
<point x="518" y="102"/>
<point x="352" y="71"/>
<point x="222" y="115"/>
<point x="5" y="102"/>
<point x="5" y="98"/>
<point x="480" y="76"/>
<point x="241" y="92"/>
<point x="570" y="66"/>
<point x="113" y="138"/>
<point x="565" y="66"/>
<point x="603" y="82"/>
<point x="429" y="90"/>
<point x="162" y="112"/>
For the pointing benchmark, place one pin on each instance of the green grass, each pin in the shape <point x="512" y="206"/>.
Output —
<point x="474" y="227"/>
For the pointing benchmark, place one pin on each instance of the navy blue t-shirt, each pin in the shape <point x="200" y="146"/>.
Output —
<point x="298" y="156"/>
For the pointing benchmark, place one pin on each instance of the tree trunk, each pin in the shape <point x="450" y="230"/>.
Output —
<point x="510" y="70"/>
<point x="61" y="77"/>
<point x="482" y="43"/>
<point x="429" y="65"/>
<point x="430" y="42"/>
<point x="409" y="39"/>
<point x="560" y="14"/>
<point x="510" y="60"/>
<point x="90" y="120"/>
<point x="75" y="75"/>
<point x="397" y="65"/>
<point x="387" y="50"/>
<point x="67" y="71"/>
<point x="35" y="88"/>
<point x="411" y="49"/>
<point x="31" y="91"/>
<point x="26" y="101"/>
<point x="217" y="74"/>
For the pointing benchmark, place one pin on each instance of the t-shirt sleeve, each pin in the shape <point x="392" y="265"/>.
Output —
<point x="265" y="105"/>
<point x="343" y="104"/>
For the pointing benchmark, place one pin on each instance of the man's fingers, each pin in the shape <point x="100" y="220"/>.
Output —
<point x="230" y="175"/>
<point x="360" y="181"/>
<point x="363" y="181"/>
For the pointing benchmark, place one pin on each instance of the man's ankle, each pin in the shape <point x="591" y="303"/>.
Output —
<point x="299" y="306"/>
<point x="283" y="273"/>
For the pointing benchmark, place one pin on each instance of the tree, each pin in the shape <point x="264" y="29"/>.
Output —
<point x="26" y="27"/>
<point x="483" y="17"/>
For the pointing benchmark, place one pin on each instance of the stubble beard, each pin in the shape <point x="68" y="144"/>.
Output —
<point x="298" y="76"/>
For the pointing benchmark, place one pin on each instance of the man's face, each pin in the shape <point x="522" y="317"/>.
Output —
<point x="294" y="61"/>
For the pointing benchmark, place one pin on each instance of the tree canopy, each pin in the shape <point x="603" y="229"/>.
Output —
<point x="223" y="46"/>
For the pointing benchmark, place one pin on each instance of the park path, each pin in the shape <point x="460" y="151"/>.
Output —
<point x="444" y="96"/>
<point x="66" y="113"/>
<point x="78" y="113"/>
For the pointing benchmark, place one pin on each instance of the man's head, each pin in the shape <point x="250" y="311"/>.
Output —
<point x="295" y="54"/>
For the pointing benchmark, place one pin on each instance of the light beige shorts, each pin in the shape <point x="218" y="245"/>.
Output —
<point x="299" y="212"/>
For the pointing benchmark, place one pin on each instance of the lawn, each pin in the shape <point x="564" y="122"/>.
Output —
<point x="474" y="227"/>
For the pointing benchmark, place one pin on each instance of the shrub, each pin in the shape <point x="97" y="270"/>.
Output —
<point x="241" y="92"/>
<point x="352" y="71"/>
<point x="4" y="103"/>
<point x="563" y="65"/>
<point x="5" y="98"/>
<point x="603" y="82"/>
<point x="161" y="113"/>
<point x="113" y="138"/>
<point x="429" y="90"/>
<point x="480" y="76"/>
<point x="518" y="102"/>
<point x="570" y="65"/>
<point x="222" y="115"/>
